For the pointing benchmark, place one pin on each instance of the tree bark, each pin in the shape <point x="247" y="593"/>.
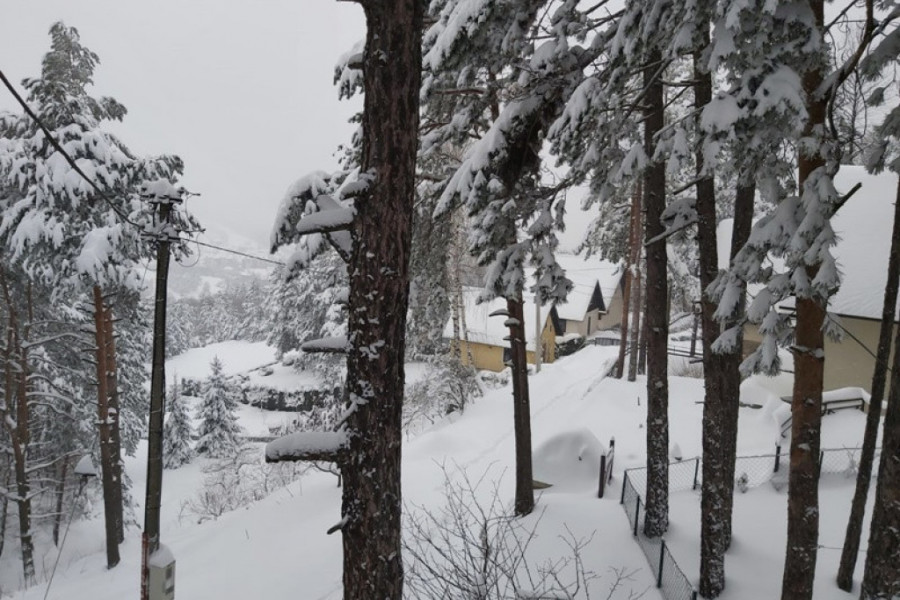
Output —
<point x="115" y="434"/>
<point x="720" y="370"/>
<point x="631" y="267"/>
<point x="16" y="421"/>
<point x="637" y="303"/>
<point x="524" y="503"/>
<point x="107" y="470"/>
<point x="657" y="510"/>
<point x="379" y="295"/>
<point x="715" y="487"/>
<point x="60" y="499"/>
<point x="881" y="579"/>
<point x="806" y="404"/>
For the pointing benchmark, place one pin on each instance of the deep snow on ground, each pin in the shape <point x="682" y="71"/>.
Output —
<point x="277" y="548"/>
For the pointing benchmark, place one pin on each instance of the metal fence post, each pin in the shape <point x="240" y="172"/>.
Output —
<point x="819" y="467"/>
<point x="696" y="472"/>
<point x="637" y="515"/>
<point x="694" y="595"/>
<point x="624" y="483"/>
<point x="662" y="557"/>
<point x="777" y="457"/>
<point x="602" y="486"/>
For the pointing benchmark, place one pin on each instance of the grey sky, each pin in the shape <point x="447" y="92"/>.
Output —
<point x="240" y="90"/>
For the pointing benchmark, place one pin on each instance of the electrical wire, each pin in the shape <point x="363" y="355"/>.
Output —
<point x="56" y="145"/>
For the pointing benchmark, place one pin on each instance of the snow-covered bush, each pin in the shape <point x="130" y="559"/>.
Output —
<point x="448" y="387"/>
<point x="237" y="482"/>
<point x="472" y="548"/>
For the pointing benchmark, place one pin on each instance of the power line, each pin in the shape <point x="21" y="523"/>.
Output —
<point x="239" y="253"/>
<point x="65" y="155"/>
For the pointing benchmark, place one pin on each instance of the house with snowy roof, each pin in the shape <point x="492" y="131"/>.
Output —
<point x="595" y="301"/>
<point x="484" y="337"/>
<point x="864" y="228"/>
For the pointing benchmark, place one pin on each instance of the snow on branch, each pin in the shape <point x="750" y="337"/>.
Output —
<point x="325" y="221"/>
<point x="308" y="446"/>
<point x="338" y="345"/>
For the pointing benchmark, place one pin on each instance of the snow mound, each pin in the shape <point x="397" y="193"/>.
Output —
<point x="569" y="461"/>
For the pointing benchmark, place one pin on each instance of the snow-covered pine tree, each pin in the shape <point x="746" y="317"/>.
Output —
<point x="61" y="231"/>
<point x="177" y="431"/>
<point x="219" y="432"/>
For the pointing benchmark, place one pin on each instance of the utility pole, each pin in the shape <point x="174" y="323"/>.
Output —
<point x="163" y="195"/>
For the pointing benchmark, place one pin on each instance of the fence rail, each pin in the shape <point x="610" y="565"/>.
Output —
<point x="750" y="472"/>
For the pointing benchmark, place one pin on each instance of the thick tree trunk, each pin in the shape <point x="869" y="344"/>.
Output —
<point x="379" y="295"/>
<point x="107" y="469"/>
<point x="806" y="404"/>
<point x="637" y="302"/>
<point x="657" y="514"/>
<point x="715" y="486"/>
<point x="521" y="410"/>
<point x="873" y="418"/>
<point x="881" y="579"/>
<point x="115" y="435"/>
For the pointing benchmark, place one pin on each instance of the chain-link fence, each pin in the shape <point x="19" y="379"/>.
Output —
<point x="749" y="472"/>
<point x="670" y="579"/>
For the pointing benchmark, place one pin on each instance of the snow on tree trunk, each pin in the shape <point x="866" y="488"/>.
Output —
<point x="657" y="514"/>
<point x="881" y="579"/>
<point x="114" y="412"/>
<point x="107" y="470"/>
<point x="379" y="293"/>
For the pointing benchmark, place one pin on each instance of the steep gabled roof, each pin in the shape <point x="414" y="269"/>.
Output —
<point x="586" y="274"/>
<point x="863" y="227"/>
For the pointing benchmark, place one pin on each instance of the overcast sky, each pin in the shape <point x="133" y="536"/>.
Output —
<point x="241" y="90"/>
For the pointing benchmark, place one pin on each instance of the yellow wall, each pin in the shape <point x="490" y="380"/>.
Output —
<point x="847" y="363"/>
<point x="613" y="316"/>
<point x="490" y="358"/>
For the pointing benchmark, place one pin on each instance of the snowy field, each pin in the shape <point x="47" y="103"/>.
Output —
<point x="277" y="548"/>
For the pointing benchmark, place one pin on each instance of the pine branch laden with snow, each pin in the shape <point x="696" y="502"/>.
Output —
<point x="55" y="223"/>
<point x="317" y="211"/>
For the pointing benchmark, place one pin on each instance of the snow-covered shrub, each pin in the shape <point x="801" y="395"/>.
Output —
<point x="237" y="482"/>
<point x="448" y="387"/>
<point x="742" y="483"/>
<point x="472" y="548"/>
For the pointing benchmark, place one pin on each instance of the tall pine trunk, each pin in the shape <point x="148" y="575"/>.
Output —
<point x="379" y="295"/>
<point x="881" y="579"/>
<point x="524" y="503"/>
<point x="107" y="470"/>
<point x="657" y="511"/>
<point x="809" y="367"/>
<point x="115" y="434"/>
<point x="637" y="302"/>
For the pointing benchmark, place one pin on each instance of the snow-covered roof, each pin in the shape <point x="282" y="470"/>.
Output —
<point x="586" y="274"/>
<point x="863" y="227"/>
<point x="483" y="329"/>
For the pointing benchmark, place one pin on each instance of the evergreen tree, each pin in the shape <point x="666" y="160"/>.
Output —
<point x="219" y="431"/>
<point x="177" y="432"/>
